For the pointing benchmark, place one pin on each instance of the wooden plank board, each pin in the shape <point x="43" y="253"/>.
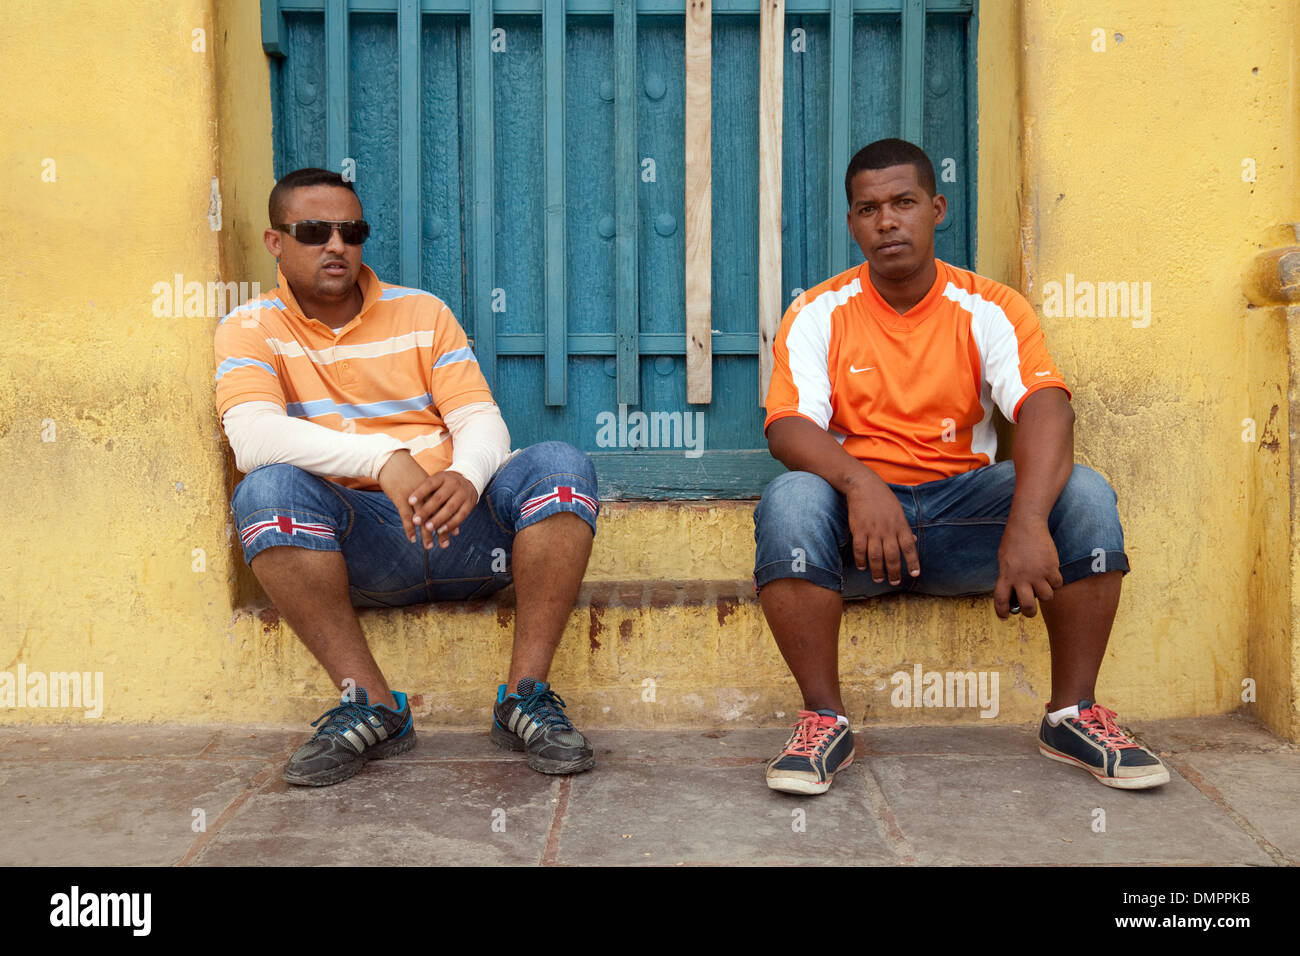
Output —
<point x="913" y="70"/>
<point x="409" y="78"/>
<point x="699" y="201"/>
<point x="660" y="475"/>
<point x="557" y="356"/>
<point x="840" y="125"/>
<point x="626" y="179"/>
<point x="484" y="232"/>
<point x="336" y="84"/>
<point x="771" y="59"/>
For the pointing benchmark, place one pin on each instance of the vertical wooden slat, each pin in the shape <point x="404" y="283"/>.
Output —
<point x="626" y="179"/>
<point x="557" y="352"/>
<point x="336" y="83"/>
<point x="408" y="125"/>
<point x="913" y="104"/>
<point x="480" y="32"/>
<point x="699" y="201"/>
<point x="971" y="183"/>
<point x="837" y="255"/>
<point x="272" y="28"/>
<point x="771" y="71"/>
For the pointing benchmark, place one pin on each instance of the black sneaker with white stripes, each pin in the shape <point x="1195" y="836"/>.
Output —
<point x="533" y="719"/>
<point x="351" y="733"/>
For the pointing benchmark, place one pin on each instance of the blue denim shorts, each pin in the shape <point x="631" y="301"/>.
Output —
<point x="284" y="505"/>
<point x="801" y="529"/>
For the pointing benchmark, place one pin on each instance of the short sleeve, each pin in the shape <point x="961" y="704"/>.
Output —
<point x="247" y="368"/>
<point x="1014" y="351"/>
<point x="455" y="378"/>
<point x="801" y="383"/>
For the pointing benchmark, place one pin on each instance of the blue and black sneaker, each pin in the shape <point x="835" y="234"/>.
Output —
<point x="533" y="719"/>
<point x="351" y="733"/>
<point x="1096" y="743"/>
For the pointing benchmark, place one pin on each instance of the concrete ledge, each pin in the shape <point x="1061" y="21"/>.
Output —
<point x="654" y="654"/>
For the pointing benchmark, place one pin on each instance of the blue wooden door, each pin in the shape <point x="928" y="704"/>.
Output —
<point x="485" y="143"/>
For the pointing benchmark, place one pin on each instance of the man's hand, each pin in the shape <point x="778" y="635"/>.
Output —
<point x="1027" y="562"/>
<point x="443" y="501"/>
<point x="399" y="477"/>
<point x="881" y="534"/>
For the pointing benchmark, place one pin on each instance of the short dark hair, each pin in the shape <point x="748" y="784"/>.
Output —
<point x="884" y="153"/>
<point x="311" y="176"/>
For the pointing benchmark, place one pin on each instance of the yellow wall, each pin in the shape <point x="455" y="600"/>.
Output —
<point x="1133" y="171"/>
<point x="1123" y="165"/>
<point x="101" y="521"/>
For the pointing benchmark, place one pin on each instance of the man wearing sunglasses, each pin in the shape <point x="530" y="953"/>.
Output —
<point x="379" y="474"/>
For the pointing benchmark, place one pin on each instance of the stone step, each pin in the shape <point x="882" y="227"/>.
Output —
<point x="647" y="654"/>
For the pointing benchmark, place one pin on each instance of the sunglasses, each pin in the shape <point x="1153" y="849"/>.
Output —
<point x="317" y="232"/>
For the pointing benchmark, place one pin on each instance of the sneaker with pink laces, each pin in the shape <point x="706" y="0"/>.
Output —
<point x="1096" y="743"/>
<point x="819" y="746"/>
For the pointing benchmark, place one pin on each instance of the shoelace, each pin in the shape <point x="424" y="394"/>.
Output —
<point x="546" y="706"/>
<point x="1099" y="722"/>
<point x="810" y="734"/>
<point x="340" y="718"/>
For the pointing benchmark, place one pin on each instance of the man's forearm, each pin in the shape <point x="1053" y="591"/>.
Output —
<point x="261" y="433"/>
<point x="1043" y="454"/>
<point x="801" y="445"/>
<point x="480" y="442"/>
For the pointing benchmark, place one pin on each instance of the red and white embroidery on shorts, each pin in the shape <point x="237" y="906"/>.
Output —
<point x="563" y="494"/>
<point x="286" y="525"/>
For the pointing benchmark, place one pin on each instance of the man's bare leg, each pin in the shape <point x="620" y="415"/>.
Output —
<point x="549" y="559"/>
<point x="805" y="620"/>
<point x="1079" y="618"/>
<point x="310" y="590"/>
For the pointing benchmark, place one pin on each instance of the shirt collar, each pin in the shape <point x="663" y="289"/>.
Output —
<point x="916" y="312"/>
<point x="370" y="293"/>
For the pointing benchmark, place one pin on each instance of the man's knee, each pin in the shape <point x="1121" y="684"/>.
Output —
<point x="559" y="458"/>
<point x="794" y="503"/>
<point x="550" y="478"/>
<point x="1087" y="529"/>
<point x="1088" y="496"/>
<point x="271" y="486"/>
<point x="797" y="526"/>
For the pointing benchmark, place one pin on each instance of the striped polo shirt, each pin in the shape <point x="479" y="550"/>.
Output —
<point x="396" y="369"/>
<point x="911" y="396"/>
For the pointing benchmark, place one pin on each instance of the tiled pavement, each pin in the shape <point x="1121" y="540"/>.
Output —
<point x="114" y="795"/>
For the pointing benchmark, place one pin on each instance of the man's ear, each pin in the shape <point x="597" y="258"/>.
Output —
<point x="272" y="239"/>
<point x="940" y="208"/>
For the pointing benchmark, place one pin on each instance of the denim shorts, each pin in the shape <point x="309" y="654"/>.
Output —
<point x="802" y="531"/>
<point x="284" y="505"/>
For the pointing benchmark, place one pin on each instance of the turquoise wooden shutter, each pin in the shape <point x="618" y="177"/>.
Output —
<point x="486" y="136"/>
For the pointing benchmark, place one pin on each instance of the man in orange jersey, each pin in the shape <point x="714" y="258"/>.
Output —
<point x="883" y="387"/>
<point x="367" y="432"/>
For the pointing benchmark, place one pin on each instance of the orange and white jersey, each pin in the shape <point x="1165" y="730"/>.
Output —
<point x="911" y="396"/>
<point x="396" y="369"/>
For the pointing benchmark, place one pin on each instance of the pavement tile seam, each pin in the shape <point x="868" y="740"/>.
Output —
<point x="203" y="840"/>
<point x="886" y="822"/>
<point x="551" y="850"/>
<point x="1211" y="793"/>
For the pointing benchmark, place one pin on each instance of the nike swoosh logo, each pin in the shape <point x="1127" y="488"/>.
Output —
<point x="1041" y="374"/>
<point x="867" y="369"/>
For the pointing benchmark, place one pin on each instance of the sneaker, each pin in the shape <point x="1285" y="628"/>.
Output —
<point x="819" y="747"/>
<point x="532" y="719"/>
<point x="1096" y="743"/>
<point x="353" y="733"/>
